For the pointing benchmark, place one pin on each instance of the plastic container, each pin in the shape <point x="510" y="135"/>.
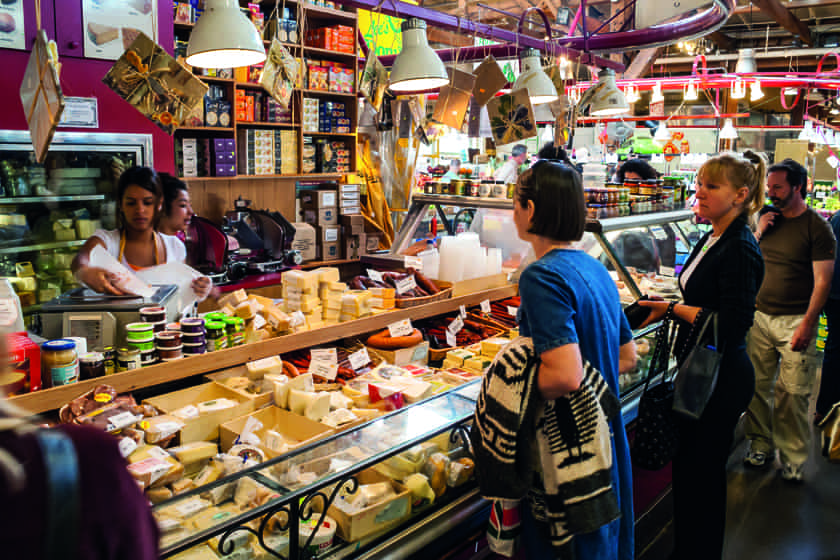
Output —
<point x="216" y="337"/>
<point x="170" y="353"/>
<point x="128" y="358"/>
<point x="139" y="331"/>
<point x="323" y="538"/>
<point x="148" y="358"/>
<point x="91" y="365"/>
<point x="194" y="349"/>
<point x="153" y="314"/>
<point x="234" y="327"/>
<point x="59" y="363"/>
<point x="192" y="325"/>
<point x="168" y="339"/>
<point x="141" y="345"/>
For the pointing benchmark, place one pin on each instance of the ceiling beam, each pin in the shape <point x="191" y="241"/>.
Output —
<point x="792" y="5"/>
<point x="642" y="63"/>
<point x="722" y="40"/>
<point x="785" y="18"/>
<point x="449" y="38"/>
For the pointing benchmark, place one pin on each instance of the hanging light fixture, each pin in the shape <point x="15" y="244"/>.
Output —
<point x="807" y="132"/>
<point x="662" y="133"/>
<point x="604" y="98"/>
<point x="534" y="79"/>
<point x="224" y="38"/>
<point x="631" y="93"/>
<point x="738" y="90"/>
<point x="755" y="91"/>
<point x="829" y="136"/>
<point x="746" y="62"/>
<point x="818" y="137"/>
<point x="690" y="92"/>
<point x="417" y="67"/>
<point x="728" y="131"/>
<point x="657" y="96"/>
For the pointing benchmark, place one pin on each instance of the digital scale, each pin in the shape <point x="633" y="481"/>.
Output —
<point x="101" y="318"/>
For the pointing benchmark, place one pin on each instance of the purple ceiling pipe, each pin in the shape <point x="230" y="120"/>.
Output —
<point x="469" y="54"/>
<point x="699" y="24"/>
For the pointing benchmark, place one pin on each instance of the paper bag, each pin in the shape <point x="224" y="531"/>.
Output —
<point x="454" y="99"/>
<point x="489" y="79"/>
<point x="279" y="73"/>
<point x="155" y="84"/>
<point x="40" y="93"/>
<point x="373" y="81"/>
<point x="511" y="117"/>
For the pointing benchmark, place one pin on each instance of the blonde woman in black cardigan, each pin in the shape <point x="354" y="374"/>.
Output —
<point x="722" y="274"/>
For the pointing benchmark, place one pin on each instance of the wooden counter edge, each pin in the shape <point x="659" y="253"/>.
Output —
<point x="52" y="399"/>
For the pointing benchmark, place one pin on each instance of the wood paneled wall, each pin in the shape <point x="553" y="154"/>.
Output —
<point x="213" y="197"/>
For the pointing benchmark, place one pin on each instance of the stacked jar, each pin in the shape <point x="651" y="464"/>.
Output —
<point x="141" y="337"/>
<point x="128" y="359"/>
<point x="215" y="334"/>
<point x="193" y="336"/>
<point x="235" y="330"/>
<point x="154" y="315"/>
<point x="168" y="345"/>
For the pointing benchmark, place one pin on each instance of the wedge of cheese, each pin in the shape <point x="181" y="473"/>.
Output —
<point x="194" y="451"/>
<point x="272" y="365"/>
<point x="328" y="275"/>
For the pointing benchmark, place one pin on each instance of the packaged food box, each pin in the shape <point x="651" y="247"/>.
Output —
<point x="376" y="517"/>
<point x="281" y="430"/>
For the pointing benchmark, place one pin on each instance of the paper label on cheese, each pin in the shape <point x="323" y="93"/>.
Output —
<point x="127" y="446"/>
<point x="485" y="306"/>
<point x="463" y="311"/>
<point x="456" y="325"/>
<point x="359" y="359"/>
<point x="259" y="322"/>
<point x="120" y="421"/>
<point x="329" y="355"/>
<point x="451" y="340"/>
<point x="414" y="262"/>
<point x="375" y="275"/>
<point x="297" y="318"/>
<point x="327" y="370"/>
<point x="189" y="411"/>
<point x="190" y="507"/>
<point x="401" y="328"/>
<point x="168" y="427"/>
<point x="158" y="453"/>
<point x="420" y="353"/>
<point x="406" y="285"/>
<point x="512" y="310"/>
<point x="152" y="466"/>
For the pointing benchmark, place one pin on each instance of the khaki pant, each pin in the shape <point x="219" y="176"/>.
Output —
<point x="784" y="379"/>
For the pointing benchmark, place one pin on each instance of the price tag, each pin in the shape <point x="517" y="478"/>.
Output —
<point x="456" y="325"/>
<point x="329" y="355"/>
<point x="406" y="285"/>
<point x="667" y="271"/>
<point x="297" y="318"/>
<point x="451" y="339"/>
<point x="326" y="370"/>
<point x="127" y="446"/>
<point x="375" y="275"/>
<point x="659" y="233"/>
<point x="485" y="306"/>
<point x="401" y="328"/>
<point x="359" y="359"/>
<point x="512" y="310"/>
<point x="414" y="262"/>
<point x="121" y="420"/>
<point x="463" y="309"/>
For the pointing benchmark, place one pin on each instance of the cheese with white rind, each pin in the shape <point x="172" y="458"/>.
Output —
<point x="340" y="401"/>
<point x="281" y="393"/>
<point x="302" y="382"/>
<point x="211" y="472"/>
<point x="272" y="365"/>
<point x="299" y="400"/>
<point x="318" y="407"/>
<point x="194" y="451"/>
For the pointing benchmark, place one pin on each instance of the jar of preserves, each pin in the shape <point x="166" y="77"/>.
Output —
<point x="593" y="211"/>
<point x="632" y="185"/>
<point x="110" y="360"/>
<point x="128" y="358"/>
<point x="216" y="337"/>
<point x="91" y="365"/>
<point x="234" y="328"/>
<point x="59" y="363"/>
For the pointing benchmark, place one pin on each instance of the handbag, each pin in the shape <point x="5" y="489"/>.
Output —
<point x="830" y="426"/>
<point x="698" y="374"/>
<point x="656" y="438"/>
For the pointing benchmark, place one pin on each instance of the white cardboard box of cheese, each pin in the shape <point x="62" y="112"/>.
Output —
<point x="294" y="430"/>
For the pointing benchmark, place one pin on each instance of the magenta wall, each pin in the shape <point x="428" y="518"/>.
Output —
<point x="82" y="77"/>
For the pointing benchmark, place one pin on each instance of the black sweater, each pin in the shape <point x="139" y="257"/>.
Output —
<point x="727" y="280"/>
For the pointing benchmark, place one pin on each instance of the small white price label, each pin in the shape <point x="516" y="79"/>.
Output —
<point x="512" y="310"/>
<point x="329" y="355"/>
<point x="485" y="306"/>
<point x="456" y="325"/>
<point x="667" y="271"/>
<point x="374" y="275"/>
<point x="127" y="446"/>
<point x="359" y="359"/>
<point x="326" y="370"/>
<point x="406" y="285"/>
<point x="463" y="311"/>
<point x="451" y="339"/>
<point x="401" y="328"/>
<point x="414" y="262"/>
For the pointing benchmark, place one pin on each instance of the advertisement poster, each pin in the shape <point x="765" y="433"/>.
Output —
<point x="11" y="25"/>
<point x="110" y="26"/>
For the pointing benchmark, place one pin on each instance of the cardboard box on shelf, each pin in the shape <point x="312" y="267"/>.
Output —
<point x="296" y="430"/>
<point x="330" y="251"/>
<point x="380" y="516"/>
<point x="372" y="241"/>
<point x="305" y="241"/>
<point x="322" y="217"/>
<point x="353" y="224"/>
<point x="354" y="245"/>
<point x="417" y="354"/>
<point x="319" y="198"/>
<point x="328" y="234"/>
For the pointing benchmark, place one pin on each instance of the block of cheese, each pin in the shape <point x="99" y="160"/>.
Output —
<point x="219" y="494"/>
<point x="415" y="390"/>
<point x="212" y="517"/>
<point x="228" y="310"/>
<point x="262" y="300"/>
<point x="215" y="404"/>
<point x="100" y="34"/>
<point x="158" y="495"/>
<point x="387" y="293"/>
<point x="331" y="314"/>
<point x="318" y="407"/>
<point x="247" y="309"/>
<point x="277" y="319"/>
<point x="151" y="466"/>
<point x="233" y="299"/>
<point x="305" y="281"/>
<point x="211" y="472"/>
<point x="302" y="382"/>
<point x="158" y="428"/>
<point x="331" y="303"/>
<point x="299" y="400"/>
<point x="492" y="346"/>
<point x="183" y="510"/>
<point x="339" y="400"/>
<point x="328" y="274"/>
<point x="335" y="286"/>
<point x="194" y="451"/>
<point x="382" y="303"/>
<point x="182" y="485"/>
<point x="477" y="363"/>
<point x="272" y="365"/>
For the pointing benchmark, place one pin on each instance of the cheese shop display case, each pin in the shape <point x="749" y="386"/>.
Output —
<point x="48" y="210"/>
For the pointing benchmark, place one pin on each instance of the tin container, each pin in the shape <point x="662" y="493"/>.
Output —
<point x="128" y="358"/>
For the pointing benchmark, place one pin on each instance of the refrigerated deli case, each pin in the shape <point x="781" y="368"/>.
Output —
<point x="303" y="514"/>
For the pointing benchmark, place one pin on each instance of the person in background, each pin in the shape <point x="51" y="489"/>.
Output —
<point x="637" y="169"/>
<point x="454" y="170"/>
<point x="111" y="518"/>
<point x="830" y="380"/>
<point x="135" y="243"/>
<point x="723" y="275"/>
<point x="509" y="171"/>
<point x="177" y="209"/>
<point x="554" y="153"/>
<point x="571" y="310"/>
<point x="799" y="248"/>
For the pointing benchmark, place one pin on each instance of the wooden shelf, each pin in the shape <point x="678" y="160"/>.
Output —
<point x="287" y="45"/>
<point x="317" y="264"/>
<point x="269" y="124"/>
<point x="205" y="129"/>
<point x="249" y="85"/>
<point x="215" y="79"/>
<point x="329" y="12"/>
<point x="52" y="399"/>
<point x="290" y="176"/>
<point x="341" y="134"/>
<point x="327" y="93"/>
<point x="327" y="52"/>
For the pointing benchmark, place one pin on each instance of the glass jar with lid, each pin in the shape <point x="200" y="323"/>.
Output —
<point x="59" y="363"/>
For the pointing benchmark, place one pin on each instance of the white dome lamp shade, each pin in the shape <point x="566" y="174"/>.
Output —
<point x="417" y="67"/>
<point x="755" y="91"/>
<point x="540" y="87"/>
<point x="739" y="90"/>
<point x="604" y="99"/>
<point x="746" y="62"/>
<point x="224" y="38"/>
<point x="662" y="134"/>
<point x="728" y="131"/>
<point x="657" y="96"/>
<point x="690" y="93"/>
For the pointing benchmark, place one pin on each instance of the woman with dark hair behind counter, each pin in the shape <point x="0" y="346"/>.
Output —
<point x="177" y="208"/>
<point x="637" y="169"/>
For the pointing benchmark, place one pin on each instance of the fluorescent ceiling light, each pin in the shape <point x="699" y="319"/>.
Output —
<point x="224" y="38"/>
<point x="417" y="67"/>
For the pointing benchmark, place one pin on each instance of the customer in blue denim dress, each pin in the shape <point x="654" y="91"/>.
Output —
<point x="571" y="310"/>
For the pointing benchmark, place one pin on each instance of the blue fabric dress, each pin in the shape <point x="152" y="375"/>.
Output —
<point x="569" y="297"/>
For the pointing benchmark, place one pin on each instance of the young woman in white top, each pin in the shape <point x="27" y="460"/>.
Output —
<point x="135" y="243"/>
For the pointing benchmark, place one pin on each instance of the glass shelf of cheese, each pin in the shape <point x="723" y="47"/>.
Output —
<point x="343" y="492"/>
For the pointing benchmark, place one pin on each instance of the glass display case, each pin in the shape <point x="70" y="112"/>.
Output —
<point x="48" y="210"/>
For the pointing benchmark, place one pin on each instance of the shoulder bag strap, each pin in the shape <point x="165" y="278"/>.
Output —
<point x="63" y="494"/>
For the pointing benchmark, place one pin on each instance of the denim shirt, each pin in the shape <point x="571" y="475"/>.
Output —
<point x="568" y="297"/>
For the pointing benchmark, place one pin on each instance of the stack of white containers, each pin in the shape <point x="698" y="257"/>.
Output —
<point x="594" y="175"/>
<point x="462" y="257"/>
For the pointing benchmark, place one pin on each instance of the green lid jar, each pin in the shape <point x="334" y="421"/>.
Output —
<point x="234" y="327"/>
<point x="217" y="338"/>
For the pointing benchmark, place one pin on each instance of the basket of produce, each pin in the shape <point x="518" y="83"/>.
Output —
<point x="409" y="288"/>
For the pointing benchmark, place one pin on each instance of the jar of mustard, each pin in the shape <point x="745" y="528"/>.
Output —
<point x="59" y="363"/>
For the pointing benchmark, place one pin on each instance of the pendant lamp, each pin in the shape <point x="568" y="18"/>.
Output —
<point x="690" y="93"/>
<point x="534" y="79"/>
<point x="746" y="62"/>
<point x="818" y="137"/>
<point x="224" y="38"/>
<point x="657" y="96"/>
<point x="631" y="94"/>
<point x="417" y="67"/>
<point x="662" y="134"/>
<point x="738" y="90"/>
<point x="807" y="132"/>
<point x="728" y="131"/>
<point x="604" y="98"/>
<point x="755" y="91"/>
